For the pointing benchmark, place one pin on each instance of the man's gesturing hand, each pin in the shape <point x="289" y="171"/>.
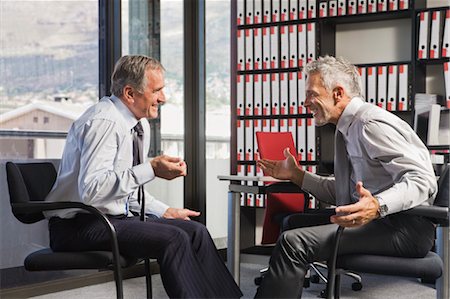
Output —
<point x="168" y="167"/>
<point x="360" y="213"/>
<point x="283" y="170"/>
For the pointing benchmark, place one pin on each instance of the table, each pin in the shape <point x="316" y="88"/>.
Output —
<point x="234" y="210"/>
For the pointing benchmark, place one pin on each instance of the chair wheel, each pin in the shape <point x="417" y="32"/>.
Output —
<point x="356" y="286"/>
<point x="258" y="280"/>
<point x="323" y="293"/>
<point x="315" y="278"/>
<point x="306" y="283"/>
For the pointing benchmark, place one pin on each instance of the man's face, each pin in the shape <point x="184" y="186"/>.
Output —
<point x="319" y="100"/>
<point x="146" y="104"/>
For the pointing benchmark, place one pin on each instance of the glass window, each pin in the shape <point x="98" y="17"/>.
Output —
<point x="49" y="69"/>
<point x="217" y="116"/>
<point x="155" y="28"/>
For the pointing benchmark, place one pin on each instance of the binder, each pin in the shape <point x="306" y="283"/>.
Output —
<point x="284" y="35"/>
<point x="240" y="50"/>
<point x="403" y="4"/>
<point x="392" y="88"/>
<point x="248" y="140"/>
<point x="293" y="98"/>
<point x="323" y="9"/>
<point x="240" y="95"/>
<point x="274" y="125"/>
<point x="423" y="35"/>
<point x="265" y="48"/>
<point x="371" y="6"/>
<point x="403" y="87"/>
<point x="311" y="41"/>
<point x="249" y="12"/>
<point x="362" y="6"/>
<point x="447" y="83"/>
<point x="301" y="28"/>
<point x="382" y="5"/>
<point x="332" y="8"/>
<point x="342" y="8"/>
<point x="301" y="92"/>
<point x="352" y="7"/>
<point x="301" y="139"/>
<point x="250" y="202"/>
<point x="248" y="49"/>
<point x="275" y="94"/>
<point x="292" y="128"/>
<point x="267" y="11"/>
<point x="435" y="40"/>
<point x="311" y="9"/>
<point x="257" y="127"/>
<point x="293" y="46"/>
<point x="393" y="5"/>
<point x="371" y="85"/>
<point x="257" y="37"/>
<point x="283" y="125"/>
<point x="382" y="87"/>
<point x="284" y="10"/>
<point x="272" y="145"/>
<point x="266" y="94"/>
<point x="362" y="73"/>
<point x="275" y="10"/>
<point x="310" y="139"/>
<point x="302" y="9"/>
<point x="240" y="131"/>
<point x="284" y="107"/>
<point x="257" y="12"/>
<point x="274" y="47"/>
<point x="293" y="8"/>
<point x="240" y="12"/>
<point x="257" y="106"/>
<point x="248" y="94"/>
<point x="446" y="35"/>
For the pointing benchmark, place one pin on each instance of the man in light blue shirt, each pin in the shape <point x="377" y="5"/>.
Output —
<point x="99" y="168"/>
<point x="381" y="167"/>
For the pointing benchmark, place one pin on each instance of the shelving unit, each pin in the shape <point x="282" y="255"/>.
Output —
<point x="298" y="34"/>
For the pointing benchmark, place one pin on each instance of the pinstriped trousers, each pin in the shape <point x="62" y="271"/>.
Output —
<point x="188" y="259"/>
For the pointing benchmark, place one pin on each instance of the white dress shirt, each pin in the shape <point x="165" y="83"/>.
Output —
<point x="386" y="155"/>
<point x="96" y="166"/>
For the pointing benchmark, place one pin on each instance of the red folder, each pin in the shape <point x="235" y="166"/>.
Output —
<point x="271" y="146"/>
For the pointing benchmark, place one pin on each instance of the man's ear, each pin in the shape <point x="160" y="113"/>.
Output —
<point x="128" y="94"/>
<point x="338" y="94"/>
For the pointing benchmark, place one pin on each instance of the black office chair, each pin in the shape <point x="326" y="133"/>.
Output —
<point x="428" y="268"/>
<point x="29" y="184"/>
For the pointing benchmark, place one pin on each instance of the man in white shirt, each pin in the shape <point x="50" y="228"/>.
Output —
<point x="101" y="166"/>
<point x="381" y="168"/>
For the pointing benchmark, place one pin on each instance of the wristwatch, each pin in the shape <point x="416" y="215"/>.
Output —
<point x="382" y="207"/>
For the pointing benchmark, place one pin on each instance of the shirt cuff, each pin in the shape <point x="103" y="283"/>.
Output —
<point x="144" y="173"/>
<point x="390" y="199"/>
<point x="310" y="182"/>
<point x="156" y="207"/>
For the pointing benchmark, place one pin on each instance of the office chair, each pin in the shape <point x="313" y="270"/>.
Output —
<point x="279" y="206"/>
<point x="29" y="184"/>
<point x="428" y="268"/>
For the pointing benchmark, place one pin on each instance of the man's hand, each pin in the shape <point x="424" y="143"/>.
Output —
<point x="360" y="213"/>
<point x="174" y="213"/>
<point x="286" y="169"/>
<point x="168" y="167"/>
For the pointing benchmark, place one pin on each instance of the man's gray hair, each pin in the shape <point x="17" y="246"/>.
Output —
<point x="131" y="70"/>
<point x="336" y="71"/>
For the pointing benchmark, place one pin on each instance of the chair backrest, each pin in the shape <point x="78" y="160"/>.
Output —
<point x="442" y="197"/>
<point x="272" y="144"/>
<point x="29" y="182"/>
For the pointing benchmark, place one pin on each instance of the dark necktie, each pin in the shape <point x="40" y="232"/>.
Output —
<point x="341" y="171"/>
<point x="138" y="149"/>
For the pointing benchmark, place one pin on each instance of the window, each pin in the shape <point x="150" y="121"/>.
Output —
<point x="49" y="66"/>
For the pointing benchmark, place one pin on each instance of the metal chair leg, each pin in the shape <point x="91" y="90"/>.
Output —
<point x="148" y="279"/>
<point x="118" y="281"/>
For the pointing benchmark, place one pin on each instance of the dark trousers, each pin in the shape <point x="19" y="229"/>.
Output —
<point x="188" y="259"/>
<point x="395" y="235"/>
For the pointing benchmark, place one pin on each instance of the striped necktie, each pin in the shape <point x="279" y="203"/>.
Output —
<point x="138" y="157"/>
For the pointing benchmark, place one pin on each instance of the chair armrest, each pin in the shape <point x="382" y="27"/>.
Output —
<point x="36" y="207"/>
<point x="437" y="214"/>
